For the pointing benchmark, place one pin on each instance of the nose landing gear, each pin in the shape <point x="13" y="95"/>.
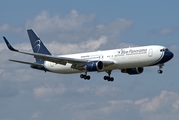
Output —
<point x="160" y="67"/>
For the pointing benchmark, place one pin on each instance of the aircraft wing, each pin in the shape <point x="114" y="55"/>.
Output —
<point x="55" y="59"/>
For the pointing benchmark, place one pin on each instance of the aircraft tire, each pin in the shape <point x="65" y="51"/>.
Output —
<point x="81" y="76"/>
<point x="88" y="77"/>
<point x="160" y="71"/>
<point x="108" y="78"/>
<point x="85" y="77"/>
<point x="111" y="79"/>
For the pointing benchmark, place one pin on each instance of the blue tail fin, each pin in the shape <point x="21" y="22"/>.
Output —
<point x="37" y="44"/>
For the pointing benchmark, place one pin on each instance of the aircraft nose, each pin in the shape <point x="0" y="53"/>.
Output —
<point x="168" y="55"/>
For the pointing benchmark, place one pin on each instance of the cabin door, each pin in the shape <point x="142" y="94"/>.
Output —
<point x="150" y="53"/>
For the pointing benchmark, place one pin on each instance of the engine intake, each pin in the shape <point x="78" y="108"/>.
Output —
<point x="94" y="66"/>
<point x="133" y="71"/>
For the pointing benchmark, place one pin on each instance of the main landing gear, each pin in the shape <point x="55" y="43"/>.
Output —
<point x="160" y="67"/>
<point x="85" y="76"/>
<point x="108" y="77"/>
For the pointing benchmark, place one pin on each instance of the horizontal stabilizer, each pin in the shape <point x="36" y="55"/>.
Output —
<point x="24" y="62"/>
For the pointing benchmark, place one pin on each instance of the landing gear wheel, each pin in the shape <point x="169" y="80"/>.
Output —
<point x="111" y="79"/>
<point x="160" y="71"/>
<point x="108" y="78"/>
<point x="86" y="77"/>
<point x="81" y="76"/>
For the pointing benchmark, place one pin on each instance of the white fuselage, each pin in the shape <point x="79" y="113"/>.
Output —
<point x="123" y="58"/>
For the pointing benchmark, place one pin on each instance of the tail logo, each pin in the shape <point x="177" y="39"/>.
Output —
<point x="37" y="46"/>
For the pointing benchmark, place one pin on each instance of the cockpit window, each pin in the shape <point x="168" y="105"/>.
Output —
<point x="164" y="49"/>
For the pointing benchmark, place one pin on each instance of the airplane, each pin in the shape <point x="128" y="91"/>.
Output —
<point x="130" y="60"/>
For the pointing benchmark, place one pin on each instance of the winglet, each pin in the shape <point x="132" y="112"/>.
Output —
<point x="9" y="45"/>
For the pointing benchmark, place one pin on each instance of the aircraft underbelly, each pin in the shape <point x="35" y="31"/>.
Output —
<point x="62" y="69"/>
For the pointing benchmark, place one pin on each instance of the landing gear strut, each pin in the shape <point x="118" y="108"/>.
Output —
<point x="160" y="67"/>
<point x="85" y="76"/>
<point x="108" y="77"/>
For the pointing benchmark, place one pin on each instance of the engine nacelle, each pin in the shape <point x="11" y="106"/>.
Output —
<point x="133" y="71"/>
<point x="94" y="66"/>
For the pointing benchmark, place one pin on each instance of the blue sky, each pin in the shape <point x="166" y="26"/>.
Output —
<point x="81" y="26"/>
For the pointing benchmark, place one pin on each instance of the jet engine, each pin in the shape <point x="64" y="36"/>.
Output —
<point x="133" y="71"/>
<point x="94" y="66"/>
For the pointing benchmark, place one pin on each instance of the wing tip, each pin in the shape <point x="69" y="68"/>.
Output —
<point x="9" y="45"/>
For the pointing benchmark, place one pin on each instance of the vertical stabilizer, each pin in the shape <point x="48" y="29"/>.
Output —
<point x="37" y="44"/>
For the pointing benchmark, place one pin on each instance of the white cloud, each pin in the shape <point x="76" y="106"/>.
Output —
<point x="4" y="27"/>
<point x="165" y="106"/>
<point x="66" y="48"/>
<point x="163" y="31"/>
<point x="141" y="101"/>
<point x="46" y="23"/>
<point x="175" y="105"/>
<point x="174" y="48"/>
<point x="126" y="45"/>
<point x="77" y="106"/>
<point x="49" y="92"/>
<point x="8" y="28"/>
<point x="70" y="33"/>
<point x="100" y="111"/>
<point x="16" y="74"/>
<point x="74" y="30"/>
<point x="2" y="46"/>
<point x="84" y="89"/>
<point x="107" y="91"/>
<point x="36" y="115"/>
<point x="113" y="28"/>
<point x="166" y="100"/>
<point x="99" y="91"/>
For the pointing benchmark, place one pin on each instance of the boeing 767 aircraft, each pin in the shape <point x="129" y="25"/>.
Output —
<point x="129" y="60"/>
